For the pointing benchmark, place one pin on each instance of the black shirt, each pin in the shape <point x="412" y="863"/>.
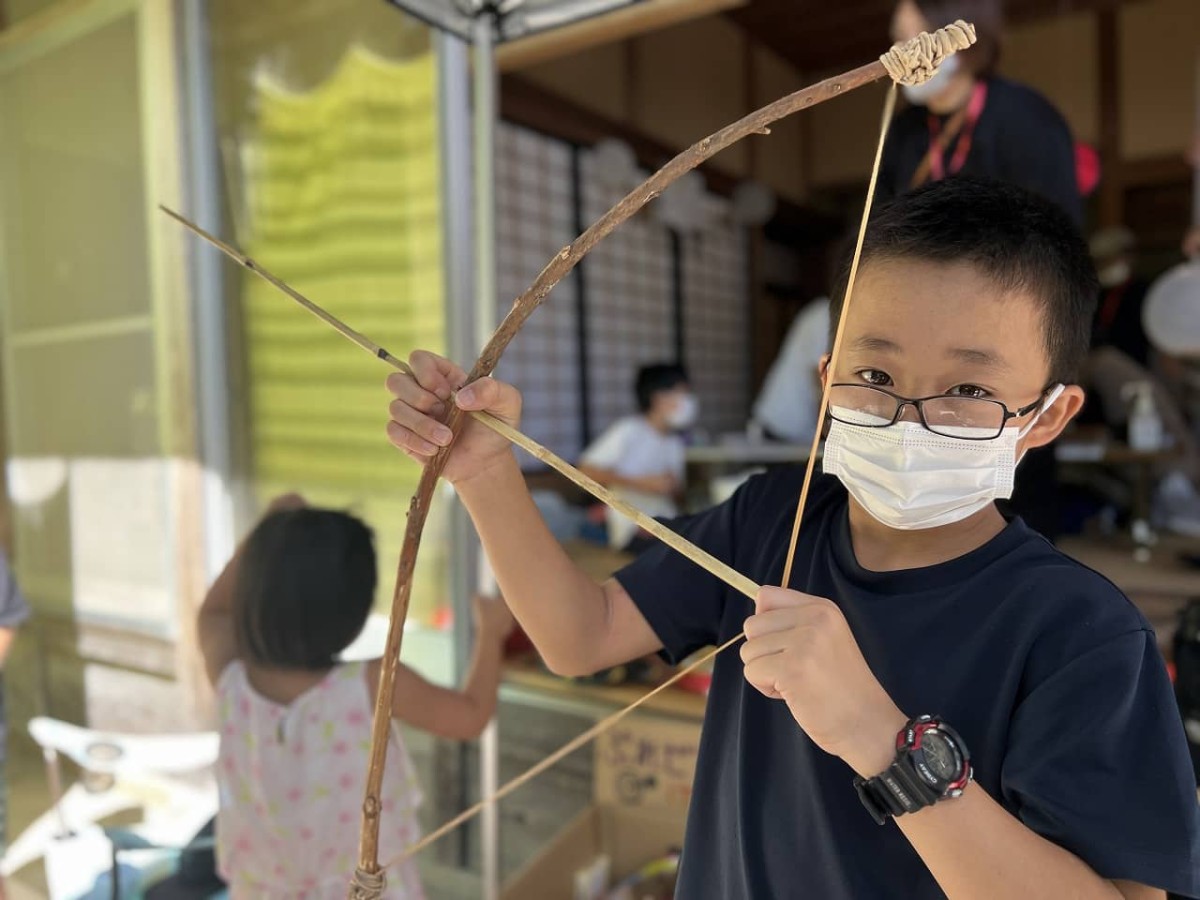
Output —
<point x="1050" y="675"/>
<point x="1019" y="138"/>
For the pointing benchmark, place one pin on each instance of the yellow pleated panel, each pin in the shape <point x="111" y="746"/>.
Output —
<point x="343" y="193"/>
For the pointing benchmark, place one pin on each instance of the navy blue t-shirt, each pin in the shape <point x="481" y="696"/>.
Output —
<point x="1051" y="676"/>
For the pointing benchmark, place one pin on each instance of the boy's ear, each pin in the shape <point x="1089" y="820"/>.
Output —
<point x="823" y="368"/>
<point x="1052" y="422"/>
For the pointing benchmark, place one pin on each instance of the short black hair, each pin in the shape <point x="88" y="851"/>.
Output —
<point x="658" y="377"/>
<point x="304" y="588"/>
<point x="1014" y="237"/>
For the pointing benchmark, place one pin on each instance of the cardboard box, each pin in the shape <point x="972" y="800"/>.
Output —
<point x="647" y="762"/>
<point x="643" y="782"/>
<point x="627" y="838"/>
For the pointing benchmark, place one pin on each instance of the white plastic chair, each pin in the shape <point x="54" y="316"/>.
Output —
<point x="123" y="772"/>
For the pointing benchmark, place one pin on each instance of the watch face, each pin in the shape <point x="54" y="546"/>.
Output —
<point x="940" y="756"/>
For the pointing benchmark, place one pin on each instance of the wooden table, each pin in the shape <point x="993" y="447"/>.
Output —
<point x="525" y="682"/>
<point x="1084" y="451"/>
<point x="747" y="453"/>
<point x="707" y="463"/>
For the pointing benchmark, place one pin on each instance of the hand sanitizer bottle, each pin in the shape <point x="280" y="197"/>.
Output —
<point x="1145" y="426"/>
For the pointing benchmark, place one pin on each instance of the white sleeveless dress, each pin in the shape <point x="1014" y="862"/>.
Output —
<point x="291" y="782"/>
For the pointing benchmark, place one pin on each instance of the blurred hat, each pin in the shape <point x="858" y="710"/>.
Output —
<point x="1110" y="242"/>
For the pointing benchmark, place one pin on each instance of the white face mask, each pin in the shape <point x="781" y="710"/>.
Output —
<point x="909" y="478"/>
<point x="921" y="94"/>
<point x="683" y="414"/>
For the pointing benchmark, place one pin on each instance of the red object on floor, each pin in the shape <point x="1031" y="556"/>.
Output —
<point x="1171" y="671"/>
<point x="696" y="683"/>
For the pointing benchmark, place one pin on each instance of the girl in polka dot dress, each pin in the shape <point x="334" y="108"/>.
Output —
<point x="296" y="723"/>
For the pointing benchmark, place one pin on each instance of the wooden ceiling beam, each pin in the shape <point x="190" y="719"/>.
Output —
<point x="611" y="28"/>
<point x="814" y="35"/>
<point x="524" y="103"/>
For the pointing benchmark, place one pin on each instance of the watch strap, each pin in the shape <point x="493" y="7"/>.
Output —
<point x="895" y="791"/>
<point x="875" y="798"/>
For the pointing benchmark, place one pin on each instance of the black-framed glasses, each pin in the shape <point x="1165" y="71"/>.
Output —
<point x="966" y="418"/>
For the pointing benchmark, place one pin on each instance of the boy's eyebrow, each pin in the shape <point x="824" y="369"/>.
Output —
<point x="974" y="356"/>
<point x="871" y="342"/>
<point x="984" y="358"/>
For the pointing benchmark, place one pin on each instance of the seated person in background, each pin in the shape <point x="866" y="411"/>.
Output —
<point x="295" y="721"/>
<point x="641" y="457"/>
<point x="1118" y="321"/>
<point x="1109" y="376"/>
<point x="791" y="394"/>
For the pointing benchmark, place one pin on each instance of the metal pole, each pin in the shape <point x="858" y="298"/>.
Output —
<point x="489" y="778"/>
<point x="465" y="320"/>
<point x="209" y="322"/>
<point x="485" y="178"/>
<point x="485" y="111"/>
<point x="581" y="301"/>
<point x="457" y="235"/>
<point x="454" y="122"/>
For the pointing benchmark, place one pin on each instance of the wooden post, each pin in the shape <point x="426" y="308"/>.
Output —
<point x="629" y="60"/>
<point x="1111" y="198"/>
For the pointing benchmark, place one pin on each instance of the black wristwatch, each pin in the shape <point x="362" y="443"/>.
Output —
<point x="931" y="764"/>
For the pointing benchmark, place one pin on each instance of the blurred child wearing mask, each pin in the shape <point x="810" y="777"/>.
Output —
<point x="641" y="457"/>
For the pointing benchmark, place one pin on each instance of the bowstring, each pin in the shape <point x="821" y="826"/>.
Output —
<point x="889" y="105"/>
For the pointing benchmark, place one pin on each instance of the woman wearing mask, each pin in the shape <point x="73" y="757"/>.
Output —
<point x="967" y="120"/>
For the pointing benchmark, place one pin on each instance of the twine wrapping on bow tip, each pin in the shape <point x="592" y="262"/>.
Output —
<point x="914" y="62"/>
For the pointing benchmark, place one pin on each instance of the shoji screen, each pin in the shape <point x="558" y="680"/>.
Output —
<point x="717" y="320"/>
<point x="340" y="196"/>
<point x="536" y="218"/>
<point x="630" y="313"/>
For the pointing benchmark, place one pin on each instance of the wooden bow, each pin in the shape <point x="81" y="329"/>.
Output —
<point x="910" y="63"/>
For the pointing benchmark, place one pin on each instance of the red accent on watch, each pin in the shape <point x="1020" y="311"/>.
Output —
<point x="910" y="737"/>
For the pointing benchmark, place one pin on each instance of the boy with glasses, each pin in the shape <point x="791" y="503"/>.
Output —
<point x="1001" y="712"/>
